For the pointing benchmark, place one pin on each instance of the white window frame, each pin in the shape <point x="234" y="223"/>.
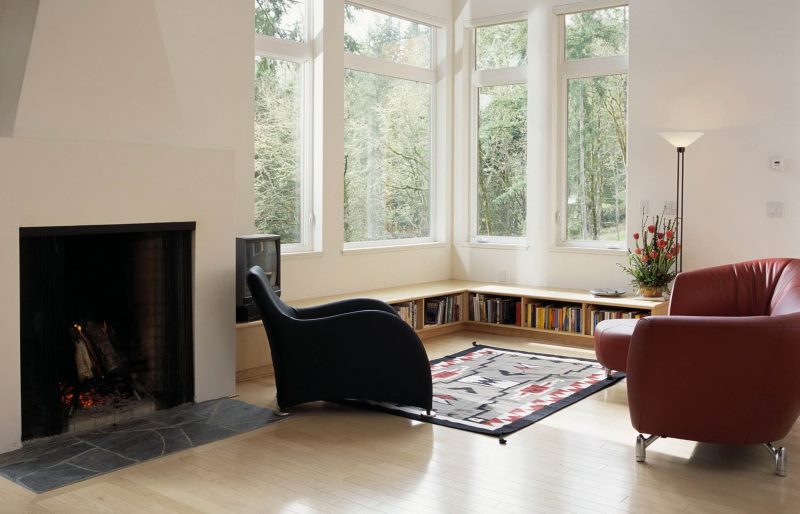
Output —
<point x="301" y="53"/>
<point x="574" y="69"/>
<point x="488" y="78"/>
<point x="428" y="76"/>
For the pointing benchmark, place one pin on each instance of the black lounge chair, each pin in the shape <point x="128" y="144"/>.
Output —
<point x="353" y="349"/>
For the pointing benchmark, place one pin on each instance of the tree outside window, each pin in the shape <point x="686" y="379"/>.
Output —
<point x="596" y="124"/>
<point x="388" y="127"/>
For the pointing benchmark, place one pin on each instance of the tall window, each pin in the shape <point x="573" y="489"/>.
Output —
<point x="282" y="121"/>
<point x="594" y="81"/>
<point x="389" y="95"/>
<point x="500" y="134"/>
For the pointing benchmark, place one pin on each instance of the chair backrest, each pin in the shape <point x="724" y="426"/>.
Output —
<point x="786" y="297"/>
<point x="274" y="312"/>
<point x="741" y="289"/>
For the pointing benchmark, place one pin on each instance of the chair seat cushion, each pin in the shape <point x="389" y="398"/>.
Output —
<point x="612" y="338"/>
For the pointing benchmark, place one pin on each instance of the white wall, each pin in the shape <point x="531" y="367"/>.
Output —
<point x="132" y="112"/>
<point x="730" y="68"/>
<point x="330" y="270"/>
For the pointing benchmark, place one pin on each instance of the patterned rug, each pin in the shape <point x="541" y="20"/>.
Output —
<point x="497" y="391"/>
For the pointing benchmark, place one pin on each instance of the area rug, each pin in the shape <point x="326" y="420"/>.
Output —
<point x="498" y="391"/>
<point x="45" y="464"/>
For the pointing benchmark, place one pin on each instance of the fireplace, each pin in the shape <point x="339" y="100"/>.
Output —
<point x="105" y="324"/>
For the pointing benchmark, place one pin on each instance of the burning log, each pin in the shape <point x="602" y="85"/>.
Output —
<point x="83" y="362"/>
<point x="100" y="338"/>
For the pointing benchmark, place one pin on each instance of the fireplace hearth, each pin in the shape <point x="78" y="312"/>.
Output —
<point x="106" y="324"/>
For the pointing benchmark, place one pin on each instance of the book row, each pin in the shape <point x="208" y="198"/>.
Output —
<point x="444" y="309"/>
<point x="408" y="312"/>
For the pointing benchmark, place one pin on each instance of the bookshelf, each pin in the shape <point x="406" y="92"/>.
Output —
<point x="578" y="312"/>
<point x="583" y="309"/>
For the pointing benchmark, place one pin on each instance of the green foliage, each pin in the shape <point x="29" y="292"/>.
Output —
<point x="278" y="140"/>
<point x="387" y="158"/>
<point x="280" y="18"/>
<point x="597" y="129"/>
<point x="386" y="37"/>
<point x="501" y="46"/>
<point x="387" y="135"/>
<point x="599" y="33"/>
<point x="502" y="156"/>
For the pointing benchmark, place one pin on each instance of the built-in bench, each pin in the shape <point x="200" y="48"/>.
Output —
<point x="564" y="316"/>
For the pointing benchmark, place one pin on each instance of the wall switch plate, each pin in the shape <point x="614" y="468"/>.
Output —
<point x="775" y="209"/>
<point x="503" y="276"/>
<point x="670" y="208"/>
<point x="776" y="163"/>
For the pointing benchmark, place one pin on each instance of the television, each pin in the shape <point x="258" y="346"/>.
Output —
<point x="256" y="250"/>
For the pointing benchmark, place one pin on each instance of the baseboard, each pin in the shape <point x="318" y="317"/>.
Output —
<point x="257" y="372"/>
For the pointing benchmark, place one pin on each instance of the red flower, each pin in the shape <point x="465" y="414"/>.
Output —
<point x="651" y="228"/>
<point x="661" y="235"/>
<point x="638" y="251"/>
<point x="644" y="258"/>
<point x="654" y="254"/>
<point x="662" y="243"/>
<point x="636" y="235"/>
<point x="670" y="234"/>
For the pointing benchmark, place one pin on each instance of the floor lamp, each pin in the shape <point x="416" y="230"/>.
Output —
<point x="680" y="140"/>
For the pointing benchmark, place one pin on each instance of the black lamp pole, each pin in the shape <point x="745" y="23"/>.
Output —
<point x="679" y="208"/>
<point x="680" y="140"/>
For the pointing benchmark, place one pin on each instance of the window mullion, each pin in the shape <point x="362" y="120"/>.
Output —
<point x="391" y="69"/>
<point x="595" y="67"/>
<point x="504" y="76"/>
<point x="282" y="48"/>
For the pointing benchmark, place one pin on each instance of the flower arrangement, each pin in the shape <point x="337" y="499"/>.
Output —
<point x="651" y="263"/>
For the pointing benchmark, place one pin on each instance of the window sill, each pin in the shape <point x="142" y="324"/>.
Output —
<point x="494" y="246"/>
<point x="393" y="248"/>
<point x="590" y="250"/>
<point x="301" y="254"/>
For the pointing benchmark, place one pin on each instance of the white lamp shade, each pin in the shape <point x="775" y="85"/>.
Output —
<point x="681" y="139"/>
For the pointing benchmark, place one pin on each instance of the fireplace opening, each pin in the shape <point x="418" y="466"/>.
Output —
<point x="106" y="324"/>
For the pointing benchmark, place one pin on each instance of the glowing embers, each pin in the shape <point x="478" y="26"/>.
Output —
<point x="103" y="388"/>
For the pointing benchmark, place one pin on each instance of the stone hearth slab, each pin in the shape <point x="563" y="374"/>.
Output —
<point x="45" y="464"/>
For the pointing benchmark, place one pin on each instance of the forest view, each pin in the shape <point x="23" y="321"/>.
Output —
<point x="502" y="133"/>
<point x="278" y="125"/>
<point x="388" y="129"/>
<point x="597" y="128"/>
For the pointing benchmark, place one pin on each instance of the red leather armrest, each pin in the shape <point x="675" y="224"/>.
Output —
<point x="715" y="379"/>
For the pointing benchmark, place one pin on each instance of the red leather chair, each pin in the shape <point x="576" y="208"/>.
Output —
<point x="724" y="366"/>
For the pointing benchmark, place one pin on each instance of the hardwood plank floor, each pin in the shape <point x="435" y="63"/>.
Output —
<point x="329" y="458"/>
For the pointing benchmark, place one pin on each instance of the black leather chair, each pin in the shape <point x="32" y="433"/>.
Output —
<point x="352" y="349"/>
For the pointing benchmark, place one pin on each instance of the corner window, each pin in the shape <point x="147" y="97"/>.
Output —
<point x="389" y="99"/>
<point x="593" y="69"/>
<point x="283" y="122"/>
<point x="500" y="132"/>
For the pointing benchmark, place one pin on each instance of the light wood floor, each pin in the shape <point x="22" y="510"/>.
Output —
<point x="328" y="458"/>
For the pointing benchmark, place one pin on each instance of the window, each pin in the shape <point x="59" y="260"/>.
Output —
<point x="388" y="129"/>
<point x="500" y="132"/>
<point x="282" y="122"/>
<point x="594" y="86"/>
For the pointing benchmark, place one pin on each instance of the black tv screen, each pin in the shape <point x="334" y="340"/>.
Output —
<point x="262" y="250"/>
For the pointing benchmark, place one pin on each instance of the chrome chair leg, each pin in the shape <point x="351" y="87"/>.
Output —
<point x="779" y="454"/>
<point x="642" y="443"/>
<point x="609" y="372"/>
<point x="429" y="413"/>
<point x="281" y="413"/>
